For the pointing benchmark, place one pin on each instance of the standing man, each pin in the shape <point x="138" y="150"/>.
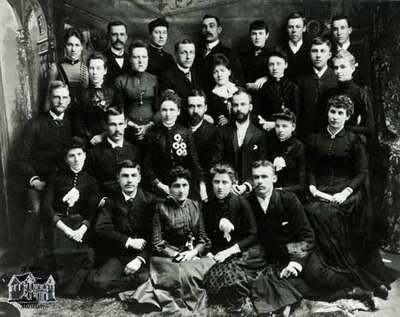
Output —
<point x="117" y="58"/>
<point x="41" y="153"/>
<point x="159" y="60"/>
<point x="341" y="31"/>
<point x="181" y="77"/>
<point x="240" y="142"/>
<point x="211" y="30"/>
<point x="124" y="226"/>
<point x="296" y="48"/>
<point x="103" y="158"/>
<point x="204" y="133"/>
<point x="136" y="92"/>
<point x="313" y="85"/>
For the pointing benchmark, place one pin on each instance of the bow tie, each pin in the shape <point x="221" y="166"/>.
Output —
<point x="58" y="122"/>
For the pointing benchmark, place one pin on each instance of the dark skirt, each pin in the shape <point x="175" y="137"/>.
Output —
<point x="340" y="250"/>
<point x="172" y="287"/>
<point x="73" y="261"/>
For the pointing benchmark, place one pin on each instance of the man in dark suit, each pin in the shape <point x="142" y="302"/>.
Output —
<point x="313" y="85"/>
<point x="341" y="31"/>
<point x="103" y="158"/>
<point x="240" y="143"/>
<point x="41" y="153"/>
<point x="159" y="60"/>
<point x="124" y="229"/>
<point x="285" y="235"/>
<point x="117" y="58"/>
<point x="204" y="133"/>
<point x="211" y="29"/>
<point x="181" y="77"/>
<point x="296" y="47"/>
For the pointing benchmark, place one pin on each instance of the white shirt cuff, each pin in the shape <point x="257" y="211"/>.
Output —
<point x="141" y="259"/>
<point x="296" y="265"/>
<point x="33" y="179"/>
<point x="127" y="242"/>
<point x="249" y="187"/>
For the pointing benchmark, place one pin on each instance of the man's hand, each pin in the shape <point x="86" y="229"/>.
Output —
<point x="279" y="163"/>
<point x="142" y="130"/>
<point x="239" y="189"/>
<point x="133" y="266"/>
<point x="289" y="271"/>
<point x="96" y="139"/>
<point x="78" y="234"/>
<point x="164" y="188"/>
<point x="38" y="184"/>
<point x="222" y="120"/>
<point x="137" y="244"/>
<point x="186" y="255"/>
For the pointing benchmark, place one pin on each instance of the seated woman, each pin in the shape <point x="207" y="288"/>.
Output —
<point x="287" y="154"/>
<point x="72" y="69"/>
<point x="70" y="205"/>
<point x="231" y="227"/>
<point x="220" y="95"/>
<point x="179" y="240"/>
<point x="278" y="92"/>
<point x="340" y="214"/>
<point x="173" y="145"/>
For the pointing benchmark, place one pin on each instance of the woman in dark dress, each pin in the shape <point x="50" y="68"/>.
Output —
<point x="231" y="227"/>
<point x="288" y="154"/>
<point x="219" y="99"/>
<point x="179" y="240"/>
<point x="70" y="204"/>
<point x="339" y="212"/>
<point x="169" y="145"/>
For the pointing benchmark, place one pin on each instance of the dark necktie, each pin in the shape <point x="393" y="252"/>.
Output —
<point x="117" y="151"/>
<point x="58" y="122"/>
<point x="130" y="202"/>
<point x="188" y="76"/>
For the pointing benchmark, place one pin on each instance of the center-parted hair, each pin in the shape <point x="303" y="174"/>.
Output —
<point x="341" y="101"/>
<point x="278" y="53"/>
<point x="74" y="143"/>
<point x="285" y="114"/>
<point x="136" y="44"/>
<point x="171" y="95"/>
<point x="220" y="59"/>
<point x="73" y="32"/>
<point x="258" y="25"/>
<point x="127" y="164"/>
<point x="345" y="55"/>
<point x="263" y="163"/>
<point x="178" y="172"/>
<point x="221" y="168"/>
<point x="97" y="55"/>
<point x="319" y="40"/>
<point x="158" y="22"/>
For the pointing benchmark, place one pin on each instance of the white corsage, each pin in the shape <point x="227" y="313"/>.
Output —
<point x="279" y="163"/>
<point x="179" y="145"/>
<point x="255" y="147"/>
<point x="71" y="197"/>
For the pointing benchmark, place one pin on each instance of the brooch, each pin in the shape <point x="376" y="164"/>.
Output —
<point x="179" y="145"/>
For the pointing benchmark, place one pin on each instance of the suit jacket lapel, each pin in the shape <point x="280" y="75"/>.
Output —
<point x="234" y="138"/>
<point x="249" y="134"/>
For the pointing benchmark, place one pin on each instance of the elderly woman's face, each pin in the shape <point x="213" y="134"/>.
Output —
<point x="337" y="117"/>
<point x="222" y="185"/>
<point x="343" y="69"/>
<point x="73" y="48"/>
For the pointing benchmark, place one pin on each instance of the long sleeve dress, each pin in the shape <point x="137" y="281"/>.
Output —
<point x="344" y="257"/>
<point x="175" y="287"/>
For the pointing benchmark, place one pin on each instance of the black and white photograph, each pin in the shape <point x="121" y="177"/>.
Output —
<point x="200" y="158"/>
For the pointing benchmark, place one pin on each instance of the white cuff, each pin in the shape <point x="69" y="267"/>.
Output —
<point x="296" y="265"/>
<point x="236" y="248"/>
<point x="141" y="259"/>
<point x="33" y="179"/>
<point x="249" y="187"/>
<point x="127" y="243"/>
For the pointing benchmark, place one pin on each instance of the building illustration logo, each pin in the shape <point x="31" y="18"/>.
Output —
<point x="32" y="289"/>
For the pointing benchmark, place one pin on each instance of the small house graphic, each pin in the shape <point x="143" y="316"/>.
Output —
<point x="29" y="288"/>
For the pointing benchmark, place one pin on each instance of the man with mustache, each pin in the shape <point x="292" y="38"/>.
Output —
<point x="159" y="60"/>
<point x="319" y="79"/>
<point x="204" y="133"/>
<point x="40" y="154"/>
<point x="296" y="48"/>
<point x="211" y="30"/>
<point x="240" y="142"/>
<point x="117" y="58"/>
<point x="103" y="158"/>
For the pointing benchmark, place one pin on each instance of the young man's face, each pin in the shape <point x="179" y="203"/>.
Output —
<point x="179" y="189"/>
<point x="60" y="100"/>
<point x="284" y="129"/>
<point x="295" y="29"/>
<point x="241" y="107"/>
<point x="159" y="36"/>
<point x="210" y="30"/>
<point x="129" y="179"/>
<point x="118" y="37"/>
<point x="222" y="185"/>
<point x="75" y="158"/>
<point x="263" y="179"/>
<point x="116" y="127"/>
<point x="320" y="55"/>
<point x="341" y="31"/>
<point x="277" y="66"/>
<point x="343" y="69"/>
<point x="185" y="55"/>
<point x="139" y="59"/>
<point x="197" y="108"/>
<point x="73" y="48"/>
<point x="259" y="37"/>
<point x="97" y="71"/>
<point x="169" y="112"/>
